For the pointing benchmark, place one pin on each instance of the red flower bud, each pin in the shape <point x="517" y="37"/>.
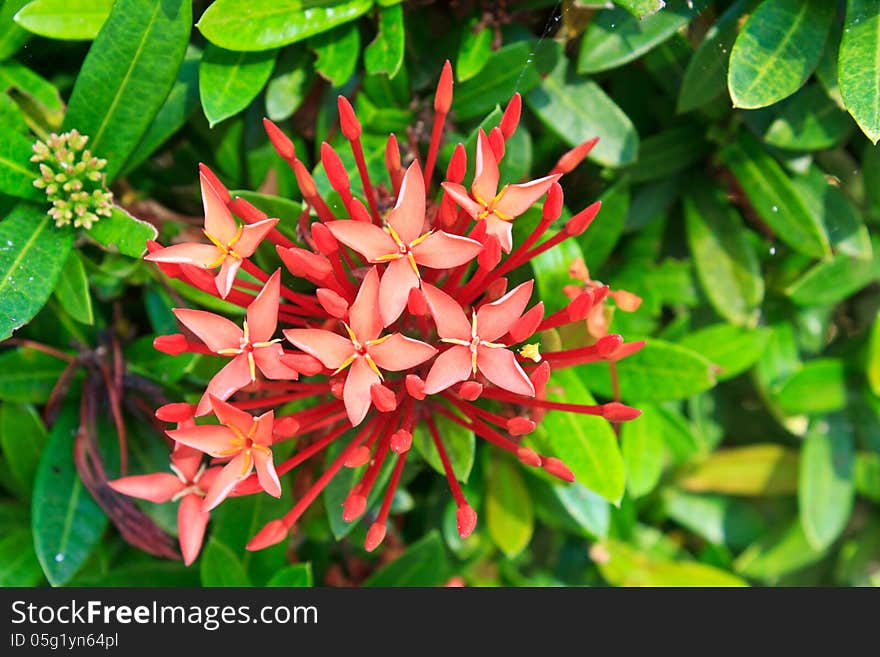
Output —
<point x="348" y="122"/>
<point x="466" y="520"/>
<point x="304" y="180"/>
<point x="384" y="399"/>
<point x="333" y="167"/>
<point x="520" y="426"/>
<point x="558" y="469"/>
<point x="443" y="96"/>
<point x="353" y="507"/>
<point x="305" y="264"/>
<point x="303" y="363"/>
<point x="457" y="165"/>
<point x="582" y="220"/>
<point x="273" y="532"/>
<point x="470" y="390"/>
<point x="324" y="240"/>
<point x="173" y="345"/>
<point x="617" y="412"/>
<point x="553" y="203"/>
<point x="330" y="301"/>
<point x="178" y="412"/>
<point x="415" y="386"/>
<point x="375" y="536"/>
<point x="496" y="141"/>
<point x="574" y="157"/>
<point x="528" y="456"/>
<point x="490" y="256"/>
<point x="510" y="120"/>
<point x="360" y="456"/>
<point x="401" y="441"/>
<point x="285" y="427"/>
<point x="359" y="212"/>
<point x="280" y="142"/>
<point x="526" y="325"/>
<point x="215" y="183"/>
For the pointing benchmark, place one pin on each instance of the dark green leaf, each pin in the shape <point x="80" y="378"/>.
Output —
<point x="597" y="243"/>
<point x="510" y="516"/>
<point x="817" y="388"/>
<point x="459" y="443"/>
<point x="809" y="120"/>
<point x="423" y="564"/>
<point x="32" y="254"/>
<point x="72" y="290"/>
<point x="27" y="375"/>
<point x="23" y="438"/>
<point x="722" y="520"/>
<point x="123" y="233"/>
<point x="859" y="65"/>
<point x="18" y="563"/>
<point x="297" y="575"/>
<point x="127" y="75"/>
<point x="777" y="50"/>
<point x="229" y="81"/>
<point x="17" y="173"/>
<point x="267" y="24"/>
<point x="65" y="19"/>
<point x="733" y="349"/>
<point x="337" y="51"/>
<point x="385" y="52"/>
<point x="669" y="152"/>
<point x="220" y="566"/>
<point x="643" y="451"/>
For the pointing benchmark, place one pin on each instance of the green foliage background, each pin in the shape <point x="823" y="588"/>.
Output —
<point x="741" y="187"/>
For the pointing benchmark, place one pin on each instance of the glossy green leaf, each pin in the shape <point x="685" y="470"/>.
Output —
<point x="229" y="81"/>
<point x="510" y="516"/>
<point x="624" y="565"/>
<point x="587" y="444"/>
<point x="289" y="83"/>
<point x="23" y="437"/>
<point x="267" y="24"/>
<point x="872" y="365"/>
<point x="774" y="197"/>
<point x="12" y="35"/>
<point x="11" y="116"/>
<point x="459" y="443"/>
<point x="423" y="564"/>
<point x="67" y="523"/>
<point x="732" y="349"/>
<point x="825" y="487"/>
<point x="754" y="470"/>
<point x="337" y="53"/>
<point x="832" y="281"/>
<point x="597" y="243"/>
<point x="385" y="52"/>
<point x="65" y="19"/>
<point x="727" y="266"/>
<point x="577" y="109"/>
<point x="617" y="37"/>
<point x="859" y="65"/>
<point x="32" y="254"/>
<point x="706" y="75"/>
<point x="809" y="120"/>
<point x="17" y="173"/>
<point x="643" y="450"/>
<point x="661" y="371"/>
<point x="722" y="520"/>
<point x="474" y="51"/>
<point x="817" y="388"/>
<point x="18" y="563"/>
<point x="296" y="575"/>
<point x="72" y="290"/>
<point x="220" y="566"/>
<point x="777" y="555"/>
<point x="127" y="75"/>
<point x="507" y="70"/>
<point x="777" y="50"/>
<point x="123" y="233"/>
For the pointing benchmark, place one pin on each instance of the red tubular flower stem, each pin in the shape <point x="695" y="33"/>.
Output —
<point x="272" y="400"/>
<point x="365" y="485"/>
<point x="481" y="429"/>
<point x="500" y="395"/>
<point x="454" y="486"/>
<point x="307" y="452"/>
<point x="473" y="409"/>
<point x="442" y="103"/>
<point x="385" y="509"/>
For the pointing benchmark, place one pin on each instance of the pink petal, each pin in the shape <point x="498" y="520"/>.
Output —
<point x="452" y="366"/>
<point x="268" y="360"/>
<point x="501" y="229"/>
<point x="266" y="474"/>
<point x="219" y="222"/>
<point x="191" y="523"/>
<point x="186" y="459"/>
<point x="408" y="215"/>
<point x="190" y="253"/>
<point x="262" y="313"/>
<point x="225" y="278"/>
<point x="447" y="313"/>
<point x="159" y="487"/>
<point x="398" y="279"/>
<point x="231" y="474"/>
<point x="441" y="250"/>
<point x="363" y="315"/>
<point x="495" y="319"/>
<point x="233" y="377"/>
<point x="519" y="198"/>
<point x="460" y="195"/>
<point x="398" y="352"/>
<point x="367" y="239"/>
<point x="263" y="432"/>
<point x="485" y="185"/>
<point x="328" y="347"/>
<point x="252" y="235"/>
<point x="216" y="332"/>
<point x="356" y="393"/>
<point x="212" y="439"/>
<point x="501" y="368"/>
<point x="231" y="416"/>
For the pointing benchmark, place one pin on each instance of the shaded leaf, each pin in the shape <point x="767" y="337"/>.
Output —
<point x="385" y="52"/>
<point x="754" y="470"/>
<point x="289" y="83"/>
<point x="423" y="564"/>
<point x="778" y="554"/>
<point x="18" y="563"/>
<point x="337" y="51"/>
<point x="459" y="443"/>
<point x="510" y="516"/>
<point x="72" y="290"/>
<point x="220" y="566"/>
<point x="296" y="575"/>
<point x="643" y="451"/>
<point x="733" y="349"/>
<point x="27" y="375"/>
<point x="721" y="520"/>
<point x="818" y="387"/>
<point x="23" y="438"/>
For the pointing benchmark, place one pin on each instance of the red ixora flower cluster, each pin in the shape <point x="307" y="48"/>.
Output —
<point x="408" y="319"/>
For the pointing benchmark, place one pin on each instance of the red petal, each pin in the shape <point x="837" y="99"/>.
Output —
<point x="383" y="398"/>
<point x="252" y="235"/>
<point x="459" y="195"/>
<point x="398" y="352"/>
<point x="367" y="239"/>
<point x="485" y="184"/>
<point x="212" y="439"/>
<point x="356" y="393"/>
<point x="398" y="279"/>
<point x="519" y="198"/>
<point x="447" y="313"/>
<point x="442" y="251"/>
<point x="328" y="347"/>
<point x="525" y="326"/>
<point x="332" y="302"/>
<point x="364" y="316"/>
<point x="231" y="474"/>
<point x="190" y="253"/>
<point x="501" y="368"/>
<point x="268" y="361"/>
<point x="503" y="230"/>
<point x="231" y="416"/>
<point x="191" y="523"/>
<point x="226" y="276"/>
<point x="408" y="215"/>
<point x="266" y="474"/>
<point x="495" y="319"/>
<point x="233" y="377"/>
<point x="262" y="313"/>
<point x="216" y="332"/>
<point x="159" y="487"/>
<point x="452" y="366"/>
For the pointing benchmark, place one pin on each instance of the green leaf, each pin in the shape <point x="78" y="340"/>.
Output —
<point x="858" y="67"/>
<point x="23" y="438"/>
<point x="123" y="233"/>
<point x="774" y="197"/>
<point x="586" y="443"/>
<point x="727" y="266"/>
<point x="337" y="53"/>
<point x="590" y="511"/>
<point x="643" y="452"/>
<point x="510" y="516"/>
<point x="577" y="109"/>
<point x="289" y="84"/>
<point x="127" y="75"/>
<point x="423" y="564"/>
<point x="778" y="555"/>
<point x="732" y="349"/>
<point x="669" y="152"/>
<point x="872" y="366"/>
<point x="67" y="523"/>
<point x="866" y="475"/>
<point x="830" y="282"/>
<point x="274" y="206"/>
<point x="72" y="290"/>
<point x="27" y="375"/>
<point x="706" y="75"/>
<point x="37" y="97"/>
<point x="751" y="471"/>
<point x="220" y="566"/>
<point x="459" y="443"/>
<point x="777" y="50"/>
<point x="17" y="174"/>
<point x="267" y="24"/>
<point x="617" y="37"/>
<point x="32" y="255"/>
<point x="641" y="8"/>
<point x="296" y="575"/>
<point x="12" y="36"/>
<point x="597" y="243"/>
<point x="809" y="120"/>
<point x="624" y="565"/>
<point x="825" y="486"/>
<point x="720" y="520"/>
<point x="818" y="387"/>
<point x="65" y="19"/>
<point x="229" y="81"/>
<point x="385" y="52"/>
<point x="18" y="563"/>
<point x="474" y="51"/>
<point x="661" y="371"/>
